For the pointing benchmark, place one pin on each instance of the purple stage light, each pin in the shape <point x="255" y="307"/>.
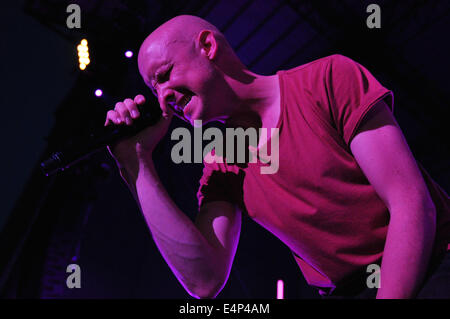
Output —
<point x="129" y="54"/>
<point x="98" y="93"/>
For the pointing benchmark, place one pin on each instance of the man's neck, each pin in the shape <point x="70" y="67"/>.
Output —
<point x="259" y="102"/>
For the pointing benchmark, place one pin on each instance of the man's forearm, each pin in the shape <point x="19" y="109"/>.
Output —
<point x="407" y="251"/>
<point x="182" y="245"/>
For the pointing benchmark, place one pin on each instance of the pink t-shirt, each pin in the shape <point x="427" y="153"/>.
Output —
<point x="319" y="203"/>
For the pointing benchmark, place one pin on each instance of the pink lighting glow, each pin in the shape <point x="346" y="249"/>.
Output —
<point x="98" y="92"/>
<point x="129" y="54"/>
<point x="280" y="289"/>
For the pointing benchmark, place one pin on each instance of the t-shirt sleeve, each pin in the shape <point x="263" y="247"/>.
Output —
<point x="352" y="91"/>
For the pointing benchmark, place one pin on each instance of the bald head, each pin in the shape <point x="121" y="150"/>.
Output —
<point x="187" y="59"/>
<point x="180" y="30"/>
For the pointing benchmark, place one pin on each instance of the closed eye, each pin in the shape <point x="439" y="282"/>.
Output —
<point x="163" y="76"/>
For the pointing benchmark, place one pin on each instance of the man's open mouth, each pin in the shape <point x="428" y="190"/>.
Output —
<point x="181" y="104"/>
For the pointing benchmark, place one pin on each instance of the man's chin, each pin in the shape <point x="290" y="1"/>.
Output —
<point x="197" y="120"/>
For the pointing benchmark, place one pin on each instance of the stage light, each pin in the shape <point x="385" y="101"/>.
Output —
<point x="83" y="54"/>
<point x="98" y="93"/>
<point x="84" y="61"/>
<point x="280" y="289"/>
<point x="129" y="54"/>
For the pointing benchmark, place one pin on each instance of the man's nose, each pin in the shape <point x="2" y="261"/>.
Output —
<point x="166" y="99"/>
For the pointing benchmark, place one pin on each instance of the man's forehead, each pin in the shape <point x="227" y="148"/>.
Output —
<point x="151" y="57"/>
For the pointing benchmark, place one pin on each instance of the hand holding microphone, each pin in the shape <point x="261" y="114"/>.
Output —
<point x="131" y="130"/>
<point x="145" y="141"/>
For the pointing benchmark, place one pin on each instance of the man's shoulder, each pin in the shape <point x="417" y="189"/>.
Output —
<point x="320" y="64"/>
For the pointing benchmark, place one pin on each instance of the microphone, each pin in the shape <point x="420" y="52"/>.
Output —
<point x="98" y="140"/>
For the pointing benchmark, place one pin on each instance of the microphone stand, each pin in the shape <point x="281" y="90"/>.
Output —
<point x="98" y="140"/>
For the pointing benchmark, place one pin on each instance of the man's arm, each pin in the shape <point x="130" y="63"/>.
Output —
<point x="383" y="154"/>
<point x="200" y="254"/>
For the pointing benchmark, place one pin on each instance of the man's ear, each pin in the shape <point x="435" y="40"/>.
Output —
<point x="207" y="43"/>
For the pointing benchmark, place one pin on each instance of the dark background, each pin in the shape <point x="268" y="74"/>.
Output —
<point x="87" y="215"/>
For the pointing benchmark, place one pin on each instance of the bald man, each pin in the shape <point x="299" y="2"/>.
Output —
<point x="348" y="192"/>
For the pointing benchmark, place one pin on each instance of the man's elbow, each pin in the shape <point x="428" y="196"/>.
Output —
<point x="208" y="283"/>
<point x="206" y="290"/>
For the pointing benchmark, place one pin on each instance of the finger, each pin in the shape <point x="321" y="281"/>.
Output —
<point x="112" y="116"/>
<point x="124" y="114"/>
<point x="139" y="99"/>
<point x="132" y="108"/>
